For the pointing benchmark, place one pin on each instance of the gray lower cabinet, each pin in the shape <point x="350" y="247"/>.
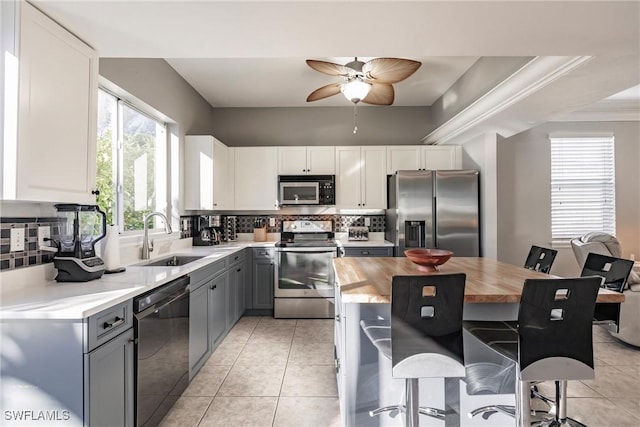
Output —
<point x="263" y="276"/>
<point x="76" y="372"/>
<point x="216" y="303"/>
<point x="111" y="382"/>
<point x="199" y="343"/>
<point x="207" y="308"/>
<point x="366" y="251"/>
<point x="235" y="291"/>
<point x="218" y="309"/>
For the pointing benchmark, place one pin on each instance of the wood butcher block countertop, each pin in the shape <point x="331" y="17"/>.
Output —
<point x="368" y="279"/>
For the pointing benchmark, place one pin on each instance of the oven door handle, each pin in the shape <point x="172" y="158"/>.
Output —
<point x="308" y="250"/>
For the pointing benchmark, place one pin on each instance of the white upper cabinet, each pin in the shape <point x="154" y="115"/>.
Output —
<point x="439" y="157"/>
<point x="403" y="157"/>
<point x="54" y="156"/>
<point x="361" y="177"/>
<point x="256" y="178"/>
<point x="306" y="161"/>
<point x="205" y="173"/>
<point x="423" y="157"/>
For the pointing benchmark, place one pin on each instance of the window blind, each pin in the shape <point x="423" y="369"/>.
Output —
<point x="582" y="186"/>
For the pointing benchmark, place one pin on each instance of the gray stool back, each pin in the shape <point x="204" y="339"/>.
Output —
<point x="426" y="326"/>
<point x="555" y="329"/>
<point x="614" y="270"/>
<point x="540" y="259"/>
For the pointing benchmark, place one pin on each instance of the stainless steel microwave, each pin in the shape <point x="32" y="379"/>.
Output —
<point x="300" y="190"/>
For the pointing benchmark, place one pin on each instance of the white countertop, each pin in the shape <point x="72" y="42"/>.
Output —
<point x="48" y="299"/>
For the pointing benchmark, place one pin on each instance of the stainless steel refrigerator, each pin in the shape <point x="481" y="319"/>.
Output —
<point x="434" y="209"/>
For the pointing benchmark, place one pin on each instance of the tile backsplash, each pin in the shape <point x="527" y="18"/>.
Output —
<point x="32" y="255"/>
<point x="244" y="223"/>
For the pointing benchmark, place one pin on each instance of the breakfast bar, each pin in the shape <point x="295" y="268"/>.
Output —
<point x="363" y="288"/>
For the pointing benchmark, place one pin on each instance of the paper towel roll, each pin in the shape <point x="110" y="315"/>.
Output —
<point x="111" y="248"/>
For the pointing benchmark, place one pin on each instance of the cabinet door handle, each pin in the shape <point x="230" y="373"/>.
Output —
<point x="116" y="322"/>
<point x="213" y="287"/>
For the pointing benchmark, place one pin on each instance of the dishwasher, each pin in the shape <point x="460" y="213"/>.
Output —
<point x="161" y="328"/>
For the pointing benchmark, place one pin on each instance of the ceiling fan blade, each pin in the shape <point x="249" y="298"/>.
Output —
<point x="328" y="67"/>
<point x="389" y="70"/>
<point x="324" y="92"/>
<point x="380" y="94"/>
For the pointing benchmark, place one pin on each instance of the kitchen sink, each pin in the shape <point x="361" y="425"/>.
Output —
<point x="171" y="261"/>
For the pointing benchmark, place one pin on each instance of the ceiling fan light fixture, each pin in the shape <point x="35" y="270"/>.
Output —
<point x="355" y="90"/>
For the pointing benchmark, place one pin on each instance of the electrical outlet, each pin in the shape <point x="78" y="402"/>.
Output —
<point x="272" y="222"/>
<point x="44" y="232"/>
<point x="17" y="239"/>
<point x="367" y="221"/>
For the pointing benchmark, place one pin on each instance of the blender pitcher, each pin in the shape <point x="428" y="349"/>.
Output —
<point x="80" y="228"/>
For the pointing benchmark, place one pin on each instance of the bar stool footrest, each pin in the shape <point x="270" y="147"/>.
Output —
<point x="489" y="410"/>
<point x="391" y="408"/>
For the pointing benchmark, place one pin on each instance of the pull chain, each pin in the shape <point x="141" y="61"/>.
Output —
<point x="355" y="118"/>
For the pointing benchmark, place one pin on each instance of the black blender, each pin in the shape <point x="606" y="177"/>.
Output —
<point x="81" y="226"/>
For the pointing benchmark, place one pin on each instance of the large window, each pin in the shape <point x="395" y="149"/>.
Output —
<point x="582" y="186"/>
<point x="131" y="163"/>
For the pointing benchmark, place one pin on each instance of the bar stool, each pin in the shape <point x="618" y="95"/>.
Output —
<point x="540" y="259"/>
<point x="551" y="341"/>
<point x="424" y="339"/>
<point x="615" y="271"/>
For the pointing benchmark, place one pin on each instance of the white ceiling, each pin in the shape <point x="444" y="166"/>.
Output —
<point x="251" y="53"/>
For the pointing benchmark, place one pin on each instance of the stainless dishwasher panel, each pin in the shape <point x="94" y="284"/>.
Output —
<point x="161" y="327"/>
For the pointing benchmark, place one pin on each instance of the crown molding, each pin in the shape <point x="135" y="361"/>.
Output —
<point x="533" y="76"/>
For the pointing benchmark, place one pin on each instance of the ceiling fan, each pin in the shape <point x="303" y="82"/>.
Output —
<point x="369" y="82"/>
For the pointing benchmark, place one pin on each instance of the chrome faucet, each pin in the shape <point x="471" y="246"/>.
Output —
<point x="147" y="247"/>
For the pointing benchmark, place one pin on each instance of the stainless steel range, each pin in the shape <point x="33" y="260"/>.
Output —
<point x="304" y="282"/>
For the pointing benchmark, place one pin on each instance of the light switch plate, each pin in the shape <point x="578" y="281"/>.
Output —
<point x="367" y="221"/>
<point x="272" y="222"/>
<point x="17" y="239"/>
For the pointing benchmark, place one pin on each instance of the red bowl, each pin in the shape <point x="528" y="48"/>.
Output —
<point x="428" y="259"/>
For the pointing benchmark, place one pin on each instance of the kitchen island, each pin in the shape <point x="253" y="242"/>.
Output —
<point x="363" y="288"/>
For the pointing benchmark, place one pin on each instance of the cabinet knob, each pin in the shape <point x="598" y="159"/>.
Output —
<point x="95" y="192"/>
<point x="239" y="270"/>
<point x="213" y="287"/>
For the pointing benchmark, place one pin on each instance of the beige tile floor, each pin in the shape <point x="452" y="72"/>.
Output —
<point x="277" y="372"/>
<point x="266" y="372"/>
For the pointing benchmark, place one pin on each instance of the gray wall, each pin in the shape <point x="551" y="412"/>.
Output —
<point x="524" y="174"/>
<point x="377" y="125"/>
<point x="154" y="82"/>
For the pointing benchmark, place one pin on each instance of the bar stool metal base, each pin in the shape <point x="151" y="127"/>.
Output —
<point x="411" y="410"/>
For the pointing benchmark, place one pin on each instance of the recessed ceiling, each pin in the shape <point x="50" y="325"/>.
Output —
<point x="251" y="53"/>
<point x="286" y="82"/>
